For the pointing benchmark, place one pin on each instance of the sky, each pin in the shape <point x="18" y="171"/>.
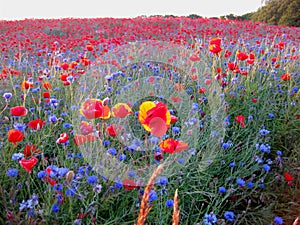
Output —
<point x="21" y="9"/>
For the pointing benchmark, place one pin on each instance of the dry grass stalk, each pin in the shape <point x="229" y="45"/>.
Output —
<point x="69" y="176"/>
<point x="297" y="221"/>
<point x="144" y="210"/>
<point x="175" y="217"/>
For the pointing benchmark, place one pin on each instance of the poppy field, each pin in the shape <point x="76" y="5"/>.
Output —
<point x="149" y="121"/>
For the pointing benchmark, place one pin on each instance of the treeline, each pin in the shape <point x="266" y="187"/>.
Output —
<point x="279" y="12"/>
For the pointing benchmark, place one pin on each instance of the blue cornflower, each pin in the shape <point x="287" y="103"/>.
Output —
<point x="232" y="164"/>
<point x="79" y="155"/>
<point x="240" y="182"/>
<point x="169" y="203"/>
<point x="52" y="118"/>
<point x="63" y="114"/>
<point x="264" y="148"/>
<point x="41" y="174"/>
<point x="23" y="205"/>
<point x="7" y="95"/>
<point x="264" y="132"/>
<point x="30" y="213"/>
<point x="17" y="156"/>
<point x="229" y="216"/>
<point x="175" y="130"/>
<point x="209" y="219"/>
<point x="266" y="167"/>
<point x="122" y="157"/>
<point x="271" y="115"/>
<point x="131" y="173"/>
<point x="162" y="180"/>
<point x="57" y="187"/>
<point x="118" y="185"/>
<point x="92" y="179"/>
<point x="20" y="127"/>
<point x="55" y="208"/>
<point x="62" y="171"/>
<point x="278" y="220"/>
<point x="195" y="106"/>
<point x="152" y="196"/>
<point x="67" y="125"/>
<point x="250" y="184"/>
<point x="279" y="153"/>
<point x="12" y="172"/>
<point x="222" y="189"/>
<point x="98" y="188"/>
<point x="153" y="140"/>
<point x="106" y="143"/>
<point x="70" y="192"/>
<point x="111" y="151"/>
<point x="180" y="160"/>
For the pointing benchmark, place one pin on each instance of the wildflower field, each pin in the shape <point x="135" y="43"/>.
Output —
<point x="149" y="121"/>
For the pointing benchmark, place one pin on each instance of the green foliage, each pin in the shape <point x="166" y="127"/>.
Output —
<point x="279" y="12"/>
<point x="194" y="16"/>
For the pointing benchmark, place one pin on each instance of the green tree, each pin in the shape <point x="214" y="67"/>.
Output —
<point x="279" y="12"/>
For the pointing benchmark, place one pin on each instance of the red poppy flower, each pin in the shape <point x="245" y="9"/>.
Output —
<point x="94" y="108"/>
<point x="251" y="56"/>
<point x="233" y="67"/>
<point x="173" y="119"/>
<point x="64" y="66"/>
<point x="227" y="53"/>
<point x="176" y="99"/>
<point x="215" y="49"/>
<point x="63" y="76"/>
<point x="285" y="77"/>
<point x="288" y="177"/>
<point x="240" y="119"/>
<point x="47" y="86"/>
<point x="194" y="58"/>
<point x="113" y="129"/>
<point x="50" y="181"/>
<point x="215" y="45"/>
<point x="30" y="150"/>
<point x="90" y="47"/>
<point x="129" y="184"/>
<point x="26" y="85"/>
<point x="215" y="41"/>
<point x="202" y="90"/>
<point x="241" y="56"/>
<point x="178" y="87"/>
<point x="15" y="136"/>
<point x="85" y="128"/>
<point x="63" y="138"/>
<point x="73" y="65"/>
<point x="121" y="110"/>
<point x="36" y="124"/>
<point x="173" y="146"/>
<point x="155" y="118"/>
<point x="18" y="111"/>
<point x="85" y="61"/>
<point x="254" y="100"/>
<point x="81" y="139"/>
<point x="28" y="164"/>
<point x="46" y="94"/>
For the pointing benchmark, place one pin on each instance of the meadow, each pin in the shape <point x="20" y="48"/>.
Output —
<point x="149" y="121"/>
